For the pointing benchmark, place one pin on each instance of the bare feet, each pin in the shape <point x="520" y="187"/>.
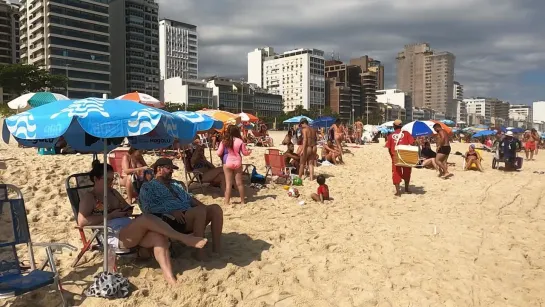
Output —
<point x="170" y="279"/>
<point x="193" y="241"/>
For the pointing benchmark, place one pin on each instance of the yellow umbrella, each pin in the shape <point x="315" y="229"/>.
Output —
<point x="227" y="118"/>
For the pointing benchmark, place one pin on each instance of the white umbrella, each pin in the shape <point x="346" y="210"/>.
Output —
<point x="22" y="102"/>
<point x="143" y="99"/>
<point x="387" y="124"/>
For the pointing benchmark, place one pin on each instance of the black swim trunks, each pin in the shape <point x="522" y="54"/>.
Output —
<point x="445" y="150"/>
<point x="179" y="227"/>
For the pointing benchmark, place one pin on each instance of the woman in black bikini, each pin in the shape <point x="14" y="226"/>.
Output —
<point x="147" y="231"/>
<point x="471" y="157"/>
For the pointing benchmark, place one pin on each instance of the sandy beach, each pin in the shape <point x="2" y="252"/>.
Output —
<point x="477" y="239"/>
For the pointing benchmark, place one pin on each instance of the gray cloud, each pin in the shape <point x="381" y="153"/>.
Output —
<point x="495" y="42"/>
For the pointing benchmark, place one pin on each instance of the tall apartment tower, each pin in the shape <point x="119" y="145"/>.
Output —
<point x="68" y="38"/>
<point x="372" y="79"/>
<point x="428" y="76"/>
<point x="298" y="75"/>
<point x="135" y="46"/>
<point x="9" y="32"/>
<point x="178" y="50"/>
<point x="9" y="38"/>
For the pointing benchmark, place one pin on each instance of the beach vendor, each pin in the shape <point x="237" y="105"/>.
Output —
<point x="399" y="137"/>
<point x="167" y="198"/>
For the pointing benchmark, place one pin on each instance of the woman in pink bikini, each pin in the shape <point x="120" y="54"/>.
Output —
<point x="231" y="150"/>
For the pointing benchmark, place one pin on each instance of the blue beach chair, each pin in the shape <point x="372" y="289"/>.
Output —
<point x="14" y="231"/>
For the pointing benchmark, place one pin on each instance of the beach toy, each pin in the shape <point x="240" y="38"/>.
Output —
<point x="297" y="181"/>
<point x="286" y="187"/>
<point x="293" y="192"/>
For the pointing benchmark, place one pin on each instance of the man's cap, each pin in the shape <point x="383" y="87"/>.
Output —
<point x="163" y="162"/>
<point x="398" y="122"/>
<point x="509" y="133"/>
<point x="303" y="121"/>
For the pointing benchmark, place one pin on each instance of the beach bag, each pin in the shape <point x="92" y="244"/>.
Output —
<point x="257" y="178"/>
<point x="109" y="285"/>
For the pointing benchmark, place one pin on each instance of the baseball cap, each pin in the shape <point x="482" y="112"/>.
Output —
<point x="398" y="122"/>
<point x="509" y="133"/>
<point x="163" y="162"/>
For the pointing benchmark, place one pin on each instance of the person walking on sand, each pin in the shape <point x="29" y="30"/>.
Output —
<point x="443" y="151"/>
<point x="310" y="149"/>
<point x="358" y="128"/>
<point x="399" y="137"/>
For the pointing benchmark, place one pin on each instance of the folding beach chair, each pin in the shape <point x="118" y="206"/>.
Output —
<point x="191" y="176"/>
<point x="14" y="230"/>
<point x="75" y="186"/>
<point x="276" y="166"/>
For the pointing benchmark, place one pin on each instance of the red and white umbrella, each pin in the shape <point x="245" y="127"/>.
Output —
<point x="143" y="99"/>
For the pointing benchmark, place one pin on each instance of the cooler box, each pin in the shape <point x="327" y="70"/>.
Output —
<point x="407" y="155"/>
<point x="46" y="151"/>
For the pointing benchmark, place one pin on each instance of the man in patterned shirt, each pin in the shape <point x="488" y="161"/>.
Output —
<point x="168" y="199"/>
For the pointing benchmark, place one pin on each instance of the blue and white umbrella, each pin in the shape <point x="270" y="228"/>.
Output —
<point x="484" y="133"/>
<point x="203" y="121"/>
<point x="448" y="122"/>
<point x="297" y="119"/>
<point x="97" y="125"/>
<point x="419" y="128"/>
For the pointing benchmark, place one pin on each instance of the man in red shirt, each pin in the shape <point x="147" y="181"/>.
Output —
<point x="399" y="137"/>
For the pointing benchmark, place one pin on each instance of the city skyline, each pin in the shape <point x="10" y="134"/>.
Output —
<point x="498" y="47"/>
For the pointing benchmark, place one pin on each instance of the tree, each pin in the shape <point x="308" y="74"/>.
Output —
<point x="21" y="78"/>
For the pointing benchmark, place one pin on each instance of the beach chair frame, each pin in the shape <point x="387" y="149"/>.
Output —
<point x="276" y="166"/>
<point x="12" y="280"/>
<point x="74" y="185"/>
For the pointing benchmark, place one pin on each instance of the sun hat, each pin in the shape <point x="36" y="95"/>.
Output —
<point x="398" y="122"/>
<point x="509" y="133"/>
<point x="163" y="162"/>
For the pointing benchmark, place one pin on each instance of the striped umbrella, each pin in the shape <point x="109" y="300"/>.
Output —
<point x="143" y="99"/>
<point x="28" y="100"/>
<point x="227" y="118"/>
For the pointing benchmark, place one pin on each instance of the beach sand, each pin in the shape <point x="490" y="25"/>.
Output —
<point x="473" y="240"/>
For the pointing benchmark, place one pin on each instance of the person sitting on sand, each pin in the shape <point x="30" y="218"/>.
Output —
<point x="133" y="166"/>
<point x="210" y="173"/>
<point x="288" y="137"/>
<point x="472" y="156"/>
<point x="291" y="158"/>
<point x="168" y="199"/>
<point x="330" y="152"/>
<point x="428" y="156"/>
<point x="323" y="190"/>
<point x="147" y="231"/>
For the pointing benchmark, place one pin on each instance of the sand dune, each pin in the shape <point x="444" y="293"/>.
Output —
<point x="474" y="240"/>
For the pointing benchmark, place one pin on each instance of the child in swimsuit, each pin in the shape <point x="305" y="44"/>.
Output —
<point x="323" y="190"/>
<point x="230" y="150"/>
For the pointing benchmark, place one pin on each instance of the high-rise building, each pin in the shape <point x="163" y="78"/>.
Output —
<point x="9" y="32"/>
<point x="538" y="111"/>
<point x="488" y="111"/>
<point x="297" y="75"/>
<point x="458" y="105"/>
<point x="9" y="38"/>
<point x="178" y="50"/>
<point x="69" y="38"/>
<point x="135" y="46"/>
<point x="428" y="76"/>
<point x="343" y="89"/>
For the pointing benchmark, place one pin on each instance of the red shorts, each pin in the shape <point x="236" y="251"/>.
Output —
<point x="400" y="173"/>
<point x="530" y="145"/>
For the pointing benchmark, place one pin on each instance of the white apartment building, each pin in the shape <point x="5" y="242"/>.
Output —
<point x="521" y="112"/>
<point x="298" y="75"/>
<point x="461" y="112"/>
<point x="392" y="96"/>
<point x="481" y="108"/>
<point x="178" y="50"/>
<point x="538" y="111"/>
<point x="69" y="38"/>
<point x="189" y="92"/>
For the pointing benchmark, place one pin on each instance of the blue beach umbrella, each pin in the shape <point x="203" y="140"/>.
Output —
<point x="296" y="119"/>
<point x="323" y="122"/>
<point x="484" y="133"/>
<point x="203" y="121"/>
<point x="98" y="125"/>
<point x="448" y="122"/>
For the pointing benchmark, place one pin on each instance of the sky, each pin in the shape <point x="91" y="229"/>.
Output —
<point x="499" y="44"/>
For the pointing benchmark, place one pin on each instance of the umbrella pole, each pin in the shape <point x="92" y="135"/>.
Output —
<point x="105" y="242"/>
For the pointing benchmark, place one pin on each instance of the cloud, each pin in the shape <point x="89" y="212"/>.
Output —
<point x="496" y="42"/>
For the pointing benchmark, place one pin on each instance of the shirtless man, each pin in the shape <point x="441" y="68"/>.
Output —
<point x="358" y="128"/>
<point x="338" y="135"/>
<point x="443" y="151"/>
<point x="310" y="149"/>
